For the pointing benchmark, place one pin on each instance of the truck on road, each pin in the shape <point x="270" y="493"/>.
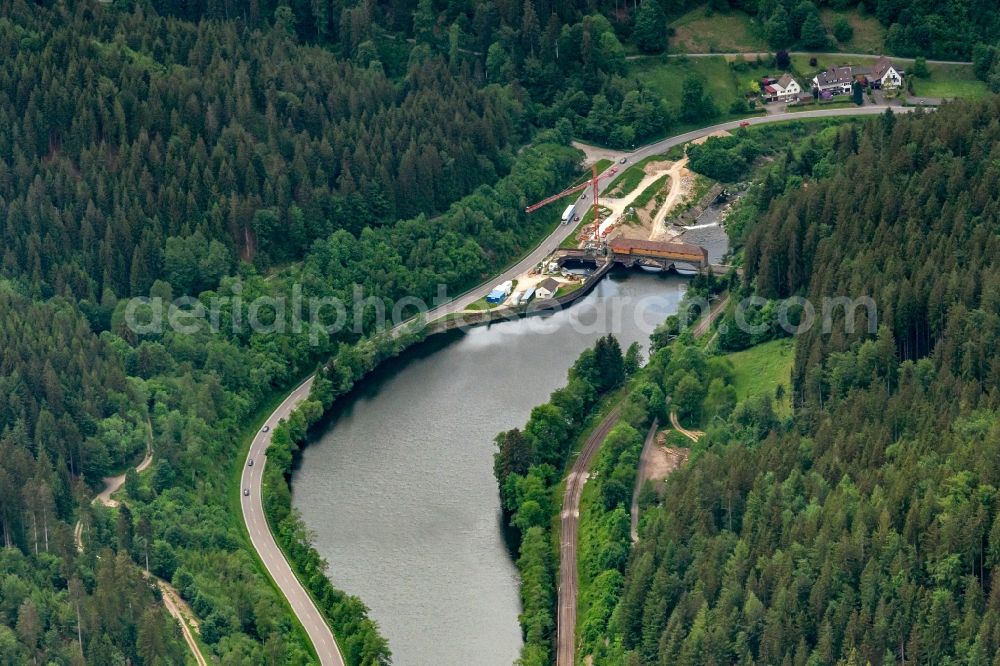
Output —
<point x="567" y="214"/>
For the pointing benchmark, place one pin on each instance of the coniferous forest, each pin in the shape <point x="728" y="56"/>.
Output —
<point x="220" y="149"/>
<point x="865" y="528"/>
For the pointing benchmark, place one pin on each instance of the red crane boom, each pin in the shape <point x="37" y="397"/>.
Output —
<point x="593" y="183"/>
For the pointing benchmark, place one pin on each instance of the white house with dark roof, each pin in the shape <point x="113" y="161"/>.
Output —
<point x="886" y="74"/>
<point x="547" y="288"/>
<point x="784" y="89"/>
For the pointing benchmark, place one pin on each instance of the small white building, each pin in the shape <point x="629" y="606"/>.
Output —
<point x="784" y="89"/>
<point x="885" y="74"/>
<point x="547" y="288"/>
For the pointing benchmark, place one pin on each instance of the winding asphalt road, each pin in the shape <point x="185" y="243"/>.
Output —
<point x="252" y="505"/>
<point x="263" y="541"/>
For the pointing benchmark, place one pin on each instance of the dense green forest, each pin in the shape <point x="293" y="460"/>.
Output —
<point x="129" y="157"/>
<point x="83" y="395"/>
<point x="918" y="27"/>
<point x="865" y="528"/>
<point x="224" y="149"/>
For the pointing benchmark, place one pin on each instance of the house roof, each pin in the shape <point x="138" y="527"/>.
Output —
<point x="786" y="80"/>
<point x="770" y="89"/>
<point x="882" y="65"/>
<point x="622" y="245"/>
<point x="835" y="76"/>
<point x="549" y="284"/>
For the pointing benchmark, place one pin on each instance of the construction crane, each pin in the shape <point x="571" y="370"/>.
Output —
<point x="592" y="183"/>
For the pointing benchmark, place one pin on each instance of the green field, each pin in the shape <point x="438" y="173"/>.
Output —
<point x="761" y="369"/>
<point x="666" y="77"/>
<point x="628" y="180"/>
<point x="842" y="103"/>
<point x="625" y="182"/>
<point x="949" y="81"/>
<point x="869" y="35"/>
<point x="705" y="31"/>
<point x="647" y="194"/>
<point x="698" y="32"/>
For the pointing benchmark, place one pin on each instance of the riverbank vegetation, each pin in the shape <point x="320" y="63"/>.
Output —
<point x="882" y="568"/>
<point x="528" y="464"/>
<point x="529" y="470"/>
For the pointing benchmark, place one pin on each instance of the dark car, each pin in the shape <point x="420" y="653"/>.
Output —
<point x="266" y="428"/>
<point x="250" y="463"/>
<point x="246" y="492"/>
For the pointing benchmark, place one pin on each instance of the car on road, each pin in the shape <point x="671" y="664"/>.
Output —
<point x="745" y="123"/>
<point x="576" y="219"/>
<point x="250" y="463"/>
<point x="246" y="492"/>
<point x="266" y="428"/>
<point x="623" y="160"/>
<point x="613" y="170"/>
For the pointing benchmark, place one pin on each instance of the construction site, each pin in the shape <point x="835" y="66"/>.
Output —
<point x="640" y="220"/>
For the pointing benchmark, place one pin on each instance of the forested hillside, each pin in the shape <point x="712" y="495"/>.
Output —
<point x="135" y="146"/>
<point x="223" y="149"/>
<point x="914" y="28"/>
<point x="216" y="123"/>
<point x="865" y="529"/>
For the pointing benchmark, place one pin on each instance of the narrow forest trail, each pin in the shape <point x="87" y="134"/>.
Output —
<point x="113" y="483"/>
<point x="693" y="435"/>
<point x="645" y="460"/>
<point x="181" y="612"/>
<point x="78" y="536"/>
<point x="172" y="600"/>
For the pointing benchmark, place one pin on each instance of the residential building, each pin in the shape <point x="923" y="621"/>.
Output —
<point x="835" y="80"/>
<point x="838" y="80"/>
<point x="547" y="288"/>
<point x="784" y="89"/>
<point x="885" y="75"/>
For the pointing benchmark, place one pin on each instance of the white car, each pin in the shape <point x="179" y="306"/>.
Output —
<point x="266" y="428"/>
<point x="246" y="492"/>
<point x="250" y="463"/>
